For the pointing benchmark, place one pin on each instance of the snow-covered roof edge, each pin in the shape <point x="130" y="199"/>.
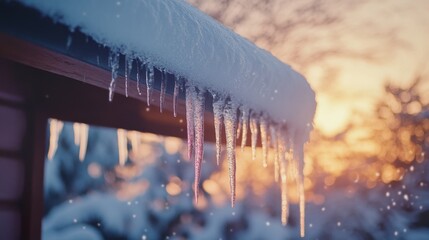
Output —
<point x="175" y="36"/>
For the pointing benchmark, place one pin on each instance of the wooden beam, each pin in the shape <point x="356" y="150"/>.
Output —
<point x="76" y="100"/>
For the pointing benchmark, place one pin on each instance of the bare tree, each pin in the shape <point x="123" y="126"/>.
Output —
<point x="300" y="32"/>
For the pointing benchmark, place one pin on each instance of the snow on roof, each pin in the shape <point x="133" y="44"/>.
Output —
<point x="175" y="36"/>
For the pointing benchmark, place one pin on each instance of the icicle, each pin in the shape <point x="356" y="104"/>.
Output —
<point x="138" y="76"/>
<point x="55" y="128"/>
<point x="76" y="133"/>
<point x="176" y="95"/>
<point x="254" y="133"/>
<point x="218" y="107"/>
<point x="264" y="138"/>
<point x="150" y="78"/>
<point x="273" y="134"/>
<point x="163" y="89"/>
<point x="128" y="67"/>
<point x="291" y="152"/>
<point x="245" y="123"/>
<point x="199" y="103"/>
<point x="239" y="124"/>
<point x="190" y="91"/>
<point x="80" y="131"/>
<point x="122" y="146"/>
<point x="298" y="156"/>
<point x="283" y="166"/>
<point x="83" y="141"/>
<point x="230" y="120"/>
<point x="284" y="197"/>
<point x="114" y="65"/>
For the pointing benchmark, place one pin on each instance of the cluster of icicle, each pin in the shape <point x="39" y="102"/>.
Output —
<point x="236" y="120"/>
<point x="148" y="75"/>
<point x="80" y="131"/>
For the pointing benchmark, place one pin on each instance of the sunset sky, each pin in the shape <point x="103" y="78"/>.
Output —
<point x="361" y="81"/>
<point x="394" y="32"/>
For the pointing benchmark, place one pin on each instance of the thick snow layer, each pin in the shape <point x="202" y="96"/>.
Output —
<point x="177" y="37"/>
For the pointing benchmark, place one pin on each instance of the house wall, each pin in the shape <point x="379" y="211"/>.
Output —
<point x="22" y="150"/>
<point x="13" y="126"/>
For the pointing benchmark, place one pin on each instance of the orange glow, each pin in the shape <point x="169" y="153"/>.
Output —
<point x="329" y="180"/>
<point x="174" y="186"/>
<point x="172" y="145"/>
<point x="129" y="191"/>
<point x="371" y="184"/>
<point x="389" y="173"/>
<point x="94" y="170"/>
<point x="308" y="184"/>
<point x="211" y="187"/>
<point x="127" y="172"/>
<point x="317" y="199"/>
<point x="202" y="202"/>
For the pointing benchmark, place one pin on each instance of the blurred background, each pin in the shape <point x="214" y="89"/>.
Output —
<point x="366" y="172"/>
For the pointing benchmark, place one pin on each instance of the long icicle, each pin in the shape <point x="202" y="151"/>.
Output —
<point x="264" y="138"/>
<point x="283" y="176"/>
<point x="254" y="131"/>
<point x="83" y="142"/>
<point x="163" y="89"/>
<point x="230" y="120"/>
<point x="245" y="123"/>
<point x="176" y="95"/>
<point x="128" y="67"/>
<point x="150" y="78"/>
<point x="138" y="76"/>
<point x="218" y="107"/>
<point x="199" y="104"/>
<point x="114" y="65"/>
<point x="190" y="91"/>
<point x="273" y="134"/>
<point x="298" y="158"/>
